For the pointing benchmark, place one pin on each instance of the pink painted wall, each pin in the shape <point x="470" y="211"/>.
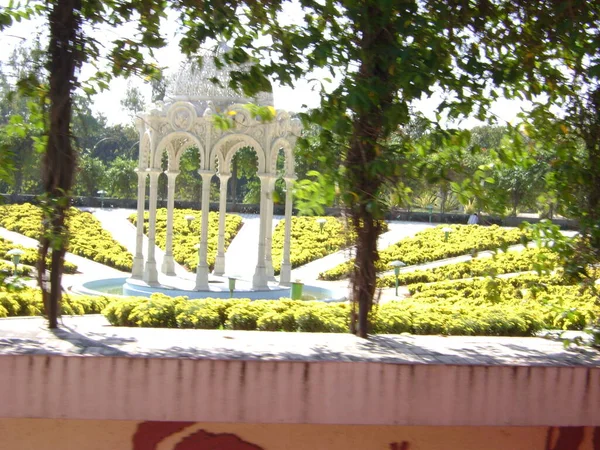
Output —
<point x="51" y="434"/>
<point x="335" y="393"/>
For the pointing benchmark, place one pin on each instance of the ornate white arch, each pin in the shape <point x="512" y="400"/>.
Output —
<point x="185" y="122"/>
<point x="288" y="151"/>
<point x="176" y="143"/>
<point x="218" y="155"/>
<point x="230" y="144"/>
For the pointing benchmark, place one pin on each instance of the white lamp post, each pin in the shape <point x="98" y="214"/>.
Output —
<point x="321" y="221"/>
<point x="396" y="265"/>
<point x="447" y="231"/>
<point x="101" y="194"/>
<point x="189" y="219"/>
<point x="15" y="254"/>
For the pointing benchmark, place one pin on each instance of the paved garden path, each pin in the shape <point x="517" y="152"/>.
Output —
<point x="242" y="254"/>
<point x="88" y="269"/>
<point x="396" y="231"/>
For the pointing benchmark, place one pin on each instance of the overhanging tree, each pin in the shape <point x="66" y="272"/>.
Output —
<point x="68" y="49"/>
<point x="385" y="55"/>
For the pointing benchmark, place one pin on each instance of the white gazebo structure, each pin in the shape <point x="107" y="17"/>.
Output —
<point x="186" y="121"/>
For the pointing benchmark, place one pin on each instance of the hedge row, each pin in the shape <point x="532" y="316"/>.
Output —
<point x="29" y="259"/>
<point x="431" y="245"/>
<point x="187" y="236"/>
<point x="236" y="314"/>
<point x="450" y="316"/>
<point x="500" y="263"/>
<point x="87" y="238"/>
<point x="462" y="314"/>
<point x="28" y="302"/>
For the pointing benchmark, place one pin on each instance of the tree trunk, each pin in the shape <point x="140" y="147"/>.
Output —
<point x="59" y="160"/>
<point x="515" y="202"/>
<point x="367" y="131"/>
<point x="443" y="199"/>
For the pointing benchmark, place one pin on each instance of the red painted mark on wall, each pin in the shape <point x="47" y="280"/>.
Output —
<point x="570" y="438"/>
<point x="399" y="446"/>
<point x="149" y="434"/>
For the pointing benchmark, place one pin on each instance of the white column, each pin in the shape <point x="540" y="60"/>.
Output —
<point x="220" y="260"/>
<point x="270" y="272"/>
<point x="202" y="269"/>
<point x="168" y="265"/>
<point x="137" y="270"/>
<point x="286" y="266"/>
<point x="150" y="272"/>
<point x="259" y="281"/>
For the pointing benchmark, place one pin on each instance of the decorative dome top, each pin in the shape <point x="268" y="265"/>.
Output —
<point x="193" y="83"/>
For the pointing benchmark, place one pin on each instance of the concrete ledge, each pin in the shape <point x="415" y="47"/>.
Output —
<point x="295" y="392"/>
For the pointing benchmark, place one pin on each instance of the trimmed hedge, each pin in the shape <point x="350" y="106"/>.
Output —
<point x="185" y="238"/>
<point x="237" y="314"/>
<point x="87" y="238"/>
<point x="430" y="245"/>
<point x="28" y="302"/>
<point x="450" y="316"/>
<point x="500" y="263"/>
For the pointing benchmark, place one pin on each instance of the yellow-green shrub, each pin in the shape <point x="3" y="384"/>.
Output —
<point x="558" y="305"/>
<point x="452" y="316"/>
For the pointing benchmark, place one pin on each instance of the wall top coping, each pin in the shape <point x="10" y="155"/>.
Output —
<point x="90" y="336"/>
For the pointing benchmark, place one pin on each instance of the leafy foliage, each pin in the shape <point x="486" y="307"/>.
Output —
<point x="29" y="258"/>
<point x="559" y="304"/>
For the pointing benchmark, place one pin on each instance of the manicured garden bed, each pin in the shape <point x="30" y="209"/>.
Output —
<point x="308" y="241"/>
<point x="432" y="245"/>
<point x="87" y="238"/>
<point x="500" y="263"/>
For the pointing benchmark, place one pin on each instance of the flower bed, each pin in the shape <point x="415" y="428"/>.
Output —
<point x="427" y="313"/>
<point x="552" y="299"/>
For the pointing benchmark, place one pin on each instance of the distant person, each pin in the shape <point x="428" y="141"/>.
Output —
<point x="473" y="219"/>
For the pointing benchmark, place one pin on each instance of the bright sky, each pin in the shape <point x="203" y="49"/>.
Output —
<point x="290" y="99"/>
